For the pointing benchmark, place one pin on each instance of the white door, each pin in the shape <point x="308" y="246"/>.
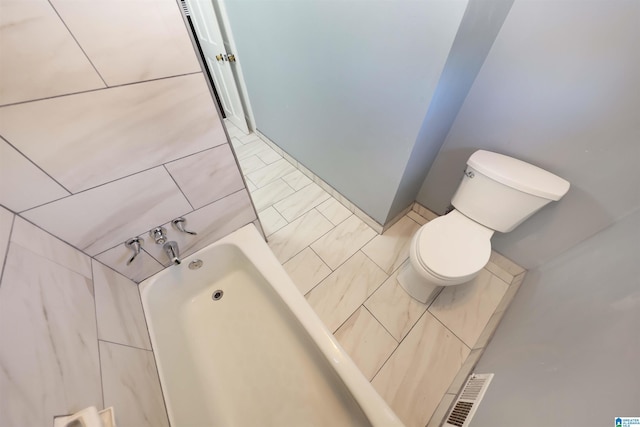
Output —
<point x="205" y="22"/>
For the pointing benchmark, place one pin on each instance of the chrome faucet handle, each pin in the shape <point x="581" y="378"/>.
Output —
<point x="134" y="244"/>
<point x="179" y="223"/>
<point x="159" y="235"/>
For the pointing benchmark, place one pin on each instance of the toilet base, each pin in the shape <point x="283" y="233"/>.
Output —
<point x="417" y="286"/>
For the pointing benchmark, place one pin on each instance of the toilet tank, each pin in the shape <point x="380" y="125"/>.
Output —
<point x="500" y="192"/>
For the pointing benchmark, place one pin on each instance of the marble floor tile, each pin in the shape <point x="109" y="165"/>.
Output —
<point x="293" y="238"/>
<point x="466" y="308"/>
<point x="344" y="290"/>
<point x="466" y="369"/>
<point x="122" y="137"/>
<point x="270" y="173"/>
<point x="296" y="180"/>
<point x="417" y="218"/>
<point x="245" y="139"/>
<point x="270" y="194"/>
<point x="106" y="216"/>
<point x="424" y="212"/>
<point x="119" y="309"/>
<point x="334" y="211"/>
<point x="49" y="361"/>
<point x="418" y="373"/>
<point x="271" y="220"/>
<point x="390" y="249"/>
<point x="44" y="244"/>
<point x="6" y="223"/>
<point x="252" y="148"/>
<point x="250" y="186"/>
<point x="207" y="176"/>
<point x="268" y="156"/>
<point x="36" y="188"/>
<point x="442" y="410"/>
<point x="503" y="267"/>
<point x="125" y="372"/>
<point x="23" y="76"/>
<point x="306" y="270"/>
<point x="233" y="130"/>
<point x="366" y="341"/>
<point x="300" y="202"/>
<point x="251" y="164"/>
<point x="343" y="241"/>
<point x="159" y="48"/>
<point x="235" y="142"/>
<point x="394" y="308"/>
<point x="511" y="292"/>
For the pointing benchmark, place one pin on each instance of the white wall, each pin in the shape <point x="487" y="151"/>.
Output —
<point x="560" y="88"/>
<point x="566" y="352"/>
<point x="480" y="24"/>
<point x="344" y="86"/>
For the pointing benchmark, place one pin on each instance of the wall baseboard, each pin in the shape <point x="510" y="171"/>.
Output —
<point x="379" y="228"/>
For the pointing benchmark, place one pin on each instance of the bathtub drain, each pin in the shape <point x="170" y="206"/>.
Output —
<point x="217" y="295"/>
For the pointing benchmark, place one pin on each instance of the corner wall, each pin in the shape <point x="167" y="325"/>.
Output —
<point x="559" y="89"/>
<point x="343" y="87"/>
<point x="480" y="24"/>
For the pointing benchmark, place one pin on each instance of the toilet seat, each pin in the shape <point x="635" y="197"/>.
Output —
<point x="453" y="247"/>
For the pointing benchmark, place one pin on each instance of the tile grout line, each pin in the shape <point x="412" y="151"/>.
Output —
<point x="38" y="167"/>
<point x="179" y="188"/>
<point x="379" y="322"/>
<point x="114" y="180"/>
<point x="6" y="253"/>
<point x="373" y="292"/>
<point x="46" y="98"/>
<point x="445" y="326"/>
<point x="95" y="312"/>
<point x="125" y="345"/>
<point x="389" y="357"/>
<point x="78" y="43"/>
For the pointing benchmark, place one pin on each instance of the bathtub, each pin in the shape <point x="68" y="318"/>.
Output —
<point x="236" y="344"/>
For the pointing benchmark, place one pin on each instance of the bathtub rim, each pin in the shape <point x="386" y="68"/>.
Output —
<point x="251" y="243"/>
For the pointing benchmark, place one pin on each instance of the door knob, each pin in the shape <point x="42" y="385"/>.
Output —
<point x="231" y="58"/>
<point x="220" y="57"/>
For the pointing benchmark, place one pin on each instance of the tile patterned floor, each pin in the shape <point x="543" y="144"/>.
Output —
<point x="416" y="355"/>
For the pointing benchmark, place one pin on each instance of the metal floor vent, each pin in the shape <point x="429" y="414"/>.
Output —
<point x="185" y="8"/>
<point x="468" y="401"/>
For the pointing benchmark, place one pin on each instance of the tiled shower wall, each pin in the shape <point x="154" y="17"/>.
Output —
<point x="107" y="129"/>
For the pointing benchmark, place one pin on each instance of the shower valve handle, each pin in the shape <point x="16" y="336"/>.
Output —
<point x="179" y="223"/>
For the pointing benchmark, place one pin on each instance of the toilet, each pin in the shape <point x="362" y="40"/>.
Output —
<point x="497" y="193"/>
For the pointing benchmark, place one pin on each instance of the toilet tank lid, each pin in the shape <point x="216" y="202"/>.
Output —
<point x="519" y="175"/>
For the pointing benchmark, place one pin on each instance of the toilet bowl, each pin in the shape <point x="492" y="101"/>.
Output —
<point x="449" y="250"/>
<point x="497" y="193"/>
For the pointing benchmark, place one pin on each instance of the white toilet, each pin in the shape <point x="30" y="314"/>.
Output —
<point x="497" y="193"/>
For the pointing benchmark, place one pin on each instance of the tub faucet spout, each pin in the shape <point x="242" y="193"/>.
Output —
<point x="172" y="251"/>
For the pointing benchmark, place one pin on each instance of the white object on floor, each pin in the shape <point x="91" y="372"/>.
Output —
<point x="88" y="417"/>
<point x="497" y="193"/>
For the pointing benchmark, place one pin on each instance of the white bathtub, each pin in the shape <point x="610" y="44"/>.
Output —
<point x="258" y="356"/>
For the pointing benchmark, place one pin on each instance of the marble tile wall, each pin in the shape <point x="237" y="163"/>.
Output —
<point x="72" y="335"/>
<point x="107" y="130"/>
